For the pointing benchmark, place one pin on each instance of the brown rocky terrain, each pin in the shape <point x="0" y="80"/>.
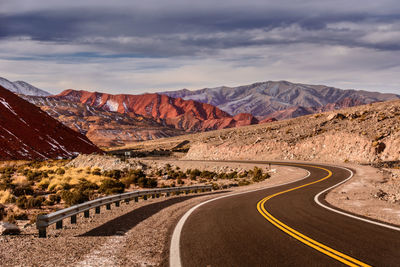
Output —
<point x="368" y="134"/>
<point x="26" y="132"/>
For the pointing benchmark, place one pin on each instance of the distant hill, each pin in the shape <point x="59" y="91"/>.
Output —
<point x="27" y="132"/>
<point x="24" y="88"/>
<point x="280" y="99"/>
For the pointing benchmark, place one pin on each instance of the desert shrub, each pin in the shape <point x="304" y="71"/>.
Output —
<point x="207" y="174"/>
<point x="36" y="175"/>
<point x="84" y="185"/>
<point x="36" y="164"/>
<point x="44" y="183"/>
<point x="195" y="172"/>
<point x="74" y="197"/>
<point x="8" y="170"/>
<point x="167" y="166"/>
<point x="96" y="171"/>
<point x="159" y="172"/>
<point x="55" y="198"/>
<point x="188" y="171"/>
<point x="35" y="202"/>
<point x="22" y="190"/>
<point x="113" y="174"/>
<point x="6" y="183"/>
<point x="147" y="182"/>
<point x="243" y="182"/>
<point x="215" y="186"/>
<point x="60" y="171"/>
<point x="27" y="203"/>
<point x="21" y="216"/>
<point x="111" y="186"/>
<point x="180" y="181"/>
<point x="48" y="202"/>
<point x="258" y="175"/>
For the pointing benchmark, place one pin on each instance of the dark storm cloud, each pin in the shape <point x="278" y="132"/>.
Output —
<point x="176" y="30"/>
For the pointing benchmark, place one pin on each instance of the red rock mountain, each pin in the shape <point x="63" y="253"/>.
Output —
<point x="104" y="128"/>
<point x="27" y="132"/>
<point x="188" y="115"/>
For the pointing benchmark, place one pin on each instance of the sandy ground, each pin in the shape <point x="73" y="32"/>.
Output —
<point x="135" y="234"/>
<point x="360" y="194"/>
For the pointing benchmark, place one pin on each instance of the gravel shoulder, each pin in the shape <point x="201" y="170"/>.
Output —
<point x="135" y="234"/>
<point x="371" y="192"/>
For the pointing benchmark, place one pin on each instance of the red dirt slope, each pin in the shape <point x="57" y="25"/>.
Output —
<point x="182" y="114"/>
<point x="27" y="132"/>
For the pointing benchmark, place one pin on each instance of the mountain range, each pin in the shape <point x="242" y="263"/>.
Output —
<point x="116" y="120"/>
<point x="24" y="88"/>
<point x="280" y="99"/>
<point x="27" y="132"/>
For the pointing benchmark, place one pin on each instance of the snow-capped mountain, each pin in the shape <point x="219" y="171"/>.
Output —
<point x="23" y="88"/>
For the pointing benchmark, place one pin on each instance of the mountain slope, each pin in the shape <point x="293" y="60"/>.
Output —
<point x="26" y="132"/>
<point x="277" y="99"/>
<point x="20" y="87"/>
<point x="103" y="128"/>
<point x="187" y="115"/>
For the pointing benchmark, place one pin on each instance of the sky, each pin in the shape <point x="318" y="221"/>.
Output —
<point x="148" y="46"/>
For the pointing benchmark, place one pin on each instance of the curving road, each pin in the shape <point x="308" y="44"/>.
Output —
<point x="283" y="226"/>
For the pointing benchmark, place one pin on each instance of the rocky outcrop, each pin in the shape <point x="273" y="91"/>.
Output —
<point x="27" y="132"/>
<point x="9" y="229"/>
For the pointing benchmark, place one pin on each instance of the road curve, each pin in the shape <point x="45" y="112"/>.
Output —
<point x="284" y="226"/>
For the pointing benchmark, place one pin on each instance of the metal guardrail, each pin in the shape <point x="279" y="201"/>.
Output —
<point x="43" y="221"/>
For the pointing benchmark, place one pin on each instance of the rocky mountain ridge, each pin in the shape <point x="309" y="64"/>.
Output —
<point x="23" y="88"/>
<point x="104" y="128"/>
<point x="27" y="132"/>
<point x="186" y="115"/>
<point x="280" y="99"/>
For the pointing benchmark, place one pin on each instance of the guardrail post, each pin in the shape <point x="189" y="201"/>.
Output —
<point x="127" y="201"/>
<point x="108" y="206"/>
<point x="168" y="194"/>
<point x="157" y="195"/>
<point x="186" y="192"/>
<point x="153" y="195"/>
<point x="73" y="219"/>
<point x="86" y="214"/>
<point x="59" y="224"/>
<point x="145" y="197"/>
<point x="42" y="232"/>
<point x="136" y="199"/>
<point x="116" y="203"/>
<point x="97" y="210"/>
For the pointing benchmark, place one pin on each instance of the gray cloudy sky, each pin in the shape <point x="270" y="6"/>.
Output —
<point x="147" y="46"/>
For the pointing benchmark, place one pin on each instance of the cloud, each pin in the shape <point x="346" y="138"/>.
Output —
<point x="141" y="45"/>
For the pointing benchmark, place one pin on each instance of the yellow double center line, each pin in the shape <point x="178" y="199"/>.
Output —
<point x="299" y="236"/>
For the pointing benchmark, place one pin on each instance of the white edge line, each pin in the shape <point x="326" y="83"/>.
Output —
<point x="347" y="214"/>
<point x="174" y="251"/>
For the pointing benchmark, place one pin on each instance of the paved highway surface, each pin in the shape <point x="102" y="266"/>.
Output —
<point x="284" y="226"/>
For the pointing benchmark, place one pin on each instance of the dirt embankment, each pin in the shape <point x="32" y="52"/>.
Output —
<point x="365" y="134"/>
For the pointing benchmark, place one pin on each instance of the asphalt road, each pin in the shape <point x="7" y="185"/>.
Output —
<point x="248" y="230"/>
